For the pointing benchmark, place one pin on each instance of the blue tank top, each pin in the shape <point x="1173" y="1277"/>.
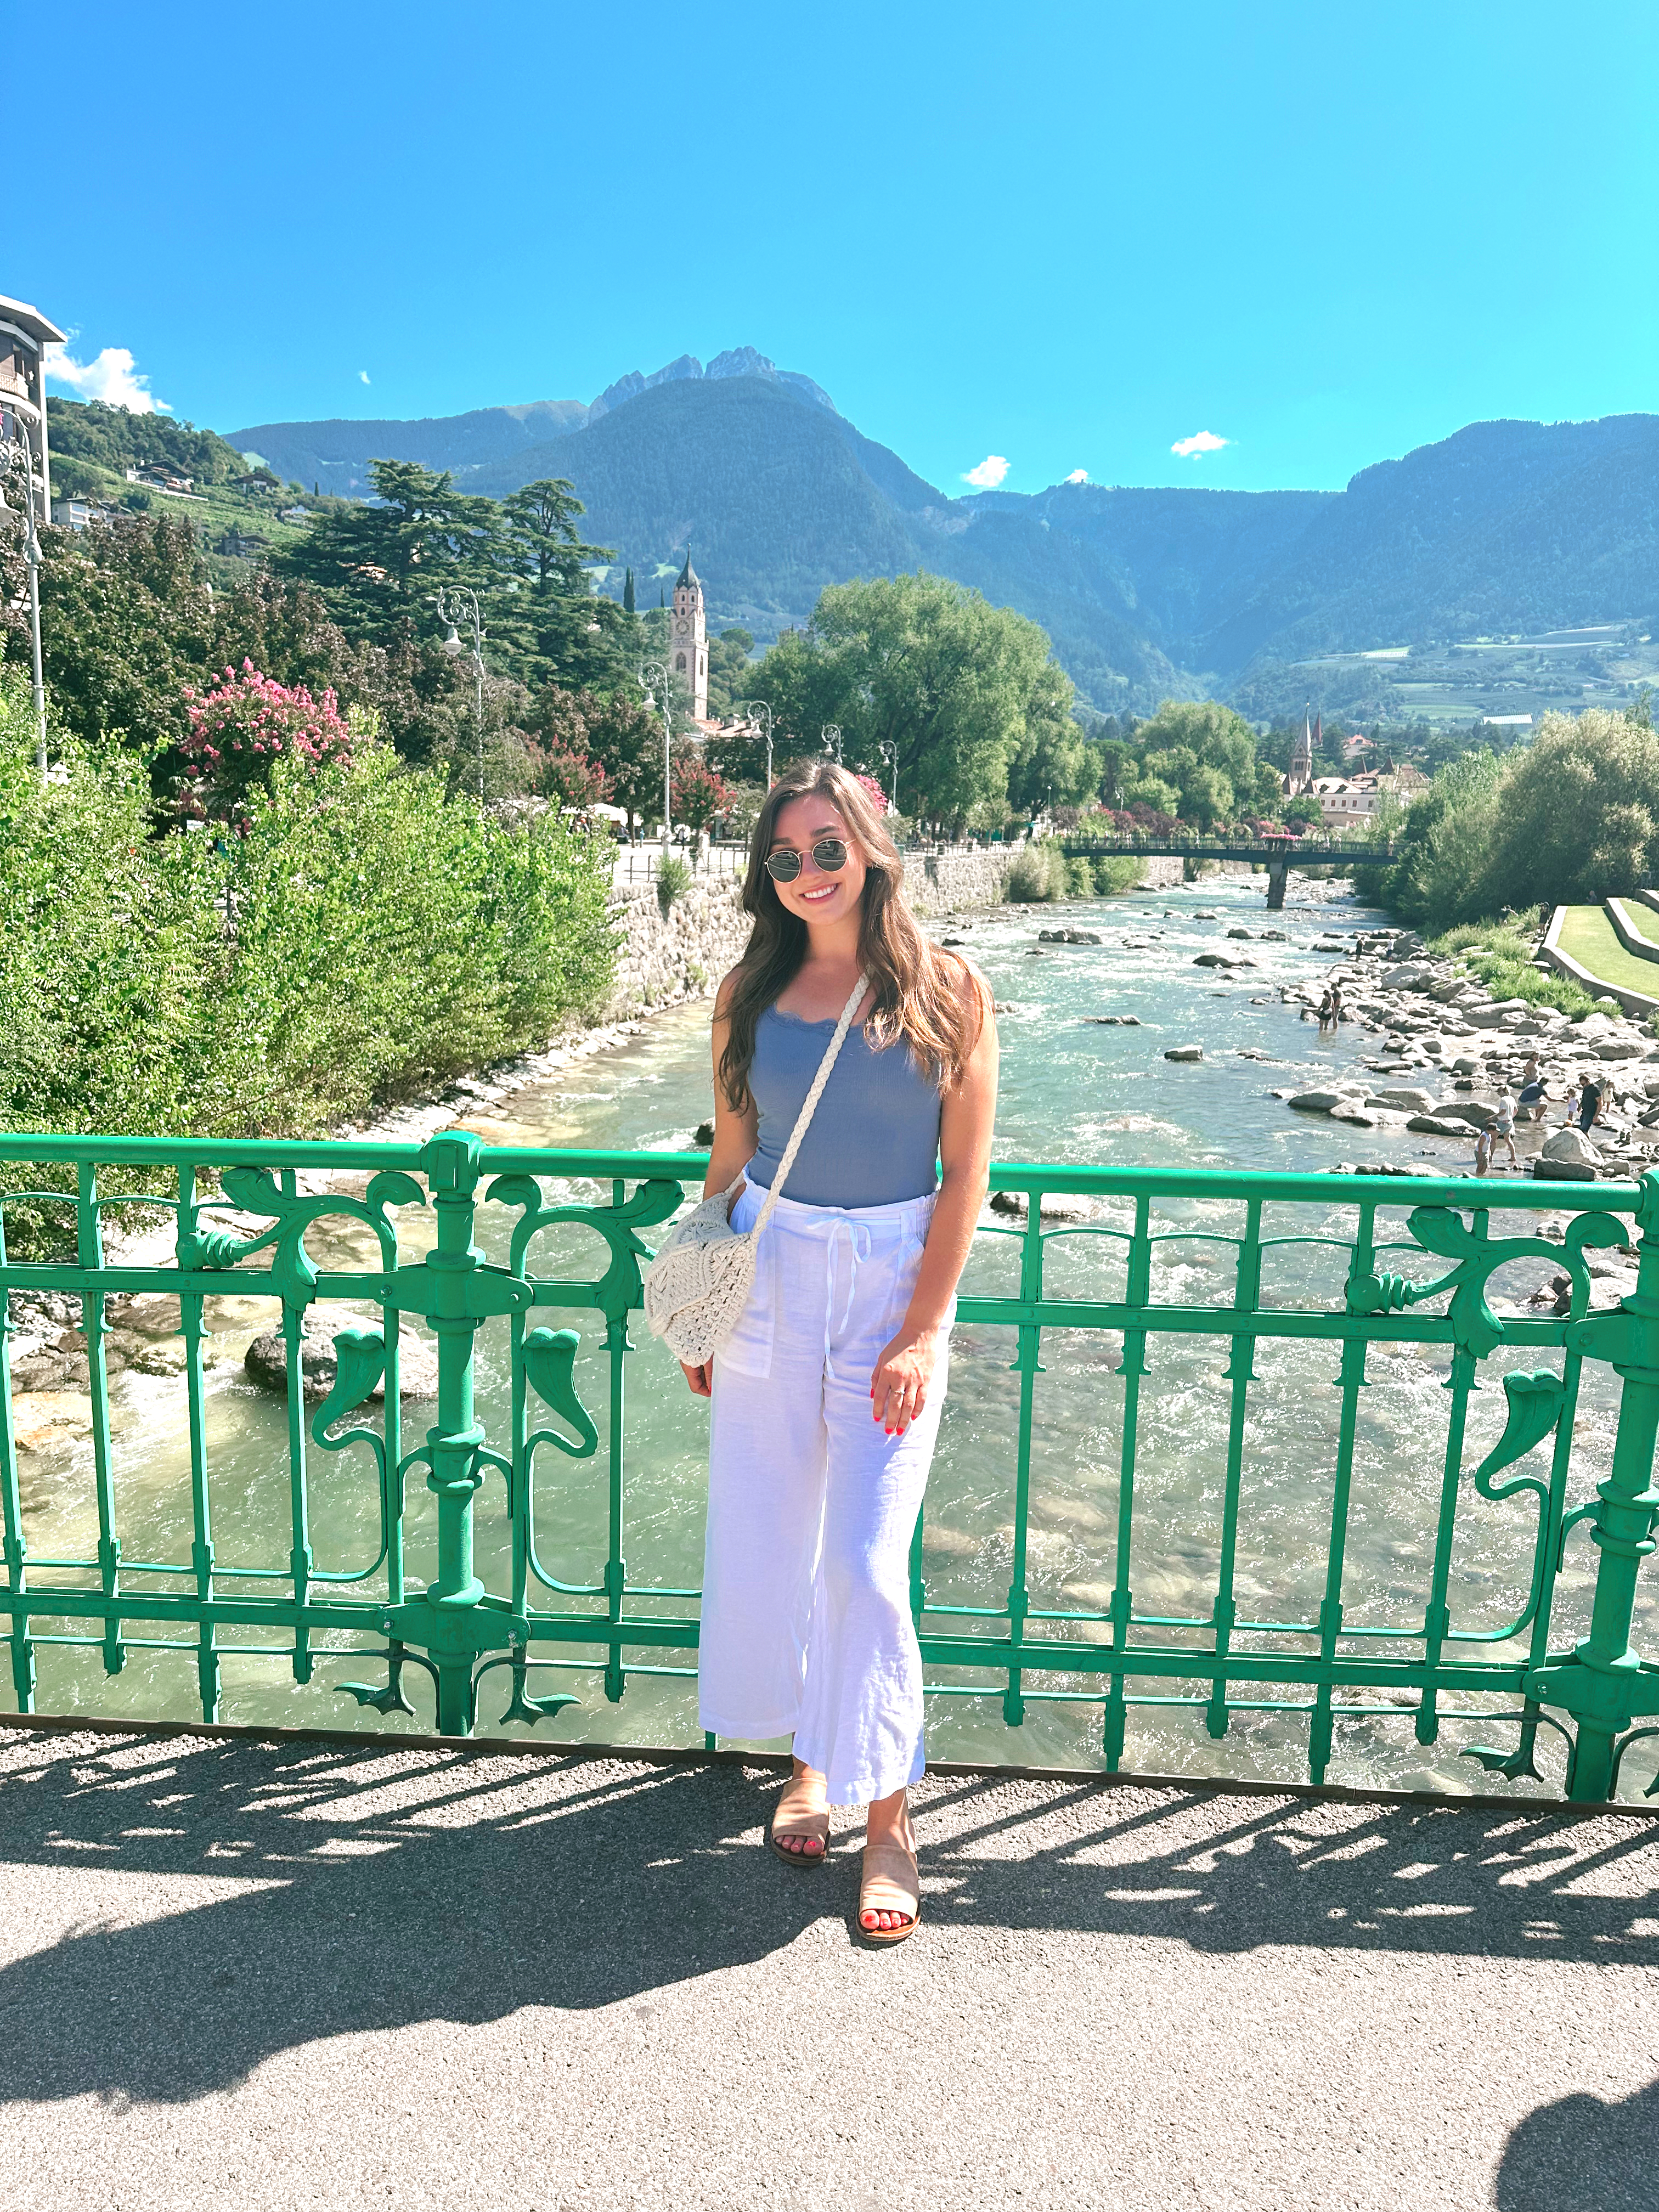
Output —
<point x="874" y="1138"/>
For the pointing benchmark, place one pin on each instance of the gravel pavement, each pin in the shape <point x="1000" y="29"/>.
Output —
<point x="252" y="1974"/>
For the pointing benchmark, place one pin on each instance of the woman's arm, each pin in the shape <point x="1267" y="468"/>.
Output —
<point x="733" y="1146"/>
<point x="899" y="1386"/>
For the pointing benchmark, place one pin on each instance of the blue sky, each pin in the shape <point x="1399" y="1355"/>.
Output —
<point x="1067" y="237"/>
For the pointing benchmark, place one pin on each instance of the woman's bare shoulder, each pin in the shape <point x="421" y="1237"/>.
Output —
<point x="970" y="984"/>
<point x="727" y="984"/>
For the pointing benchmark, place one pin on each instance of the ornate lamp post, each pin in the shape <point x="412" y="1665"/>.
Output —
<point x="889" y="754"/>
<point x="10" y="449"/>
<point x="829" y="736"/>
<point x="455" y="600"/>
<point x="755" y="709"/>
<point x="654" y="678"/>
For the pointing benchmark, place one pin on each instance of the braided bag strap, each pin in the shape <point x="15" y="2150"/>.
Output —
<point x="809" y="1105"/>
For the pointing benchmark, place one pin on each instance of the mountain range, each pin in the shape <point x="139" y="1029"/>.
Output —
<point x="1503" y="528"/>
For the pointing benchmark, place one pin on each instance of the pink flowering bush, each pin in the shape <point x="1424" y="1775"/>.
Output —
<point x="874" y="793"/>
<point x="240" y="729"/>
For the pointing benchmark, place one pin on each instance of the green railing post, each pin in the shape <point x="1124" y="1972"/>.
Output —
<point x="1604" y="1684"/>
<point x="455" y="1474"/>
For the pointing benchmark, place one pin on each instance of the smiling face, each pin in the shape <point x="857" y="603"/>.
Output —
<point x="818" y="898"/>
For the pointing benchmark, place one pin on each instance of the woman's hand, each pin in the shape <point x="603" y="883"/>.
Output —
<point x="701" y="1379"/>
<point x="898" y="1387"/>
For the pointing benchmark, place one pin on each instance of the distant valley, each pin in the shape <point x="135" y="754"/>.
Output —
<point x="1466" y="554"/>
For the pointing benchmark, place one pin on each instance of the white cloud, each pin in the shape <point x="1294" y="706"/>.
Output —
<point x="1204" y="441"/>
<point x="989" y="473"/>
<point x="112" y="376"/>
<point x="362" y="376"/>
<point x="1078" y="475"/>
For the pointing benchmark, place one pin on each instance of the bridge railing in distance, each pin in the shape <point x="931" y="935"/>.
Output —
<point x="1266" y="849"/>
<point x="1197" y="1337"/>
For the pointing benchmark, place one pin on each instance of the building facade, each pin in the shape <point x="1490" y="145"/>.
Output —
<point x="24" y="334"/>
<point x="688" y="642"/>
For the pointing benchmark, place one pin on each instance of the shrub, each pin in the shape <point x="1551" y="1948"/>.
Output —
<point x="365" y="939"/>
<point x="238" y="732"/>
<point x="700" y="796"/>
<point x="1040" y="872"/>
<point x="674" y="879"/>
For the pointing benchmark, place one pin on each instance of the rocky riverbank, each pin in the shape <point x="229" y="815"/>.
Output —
<point x="1445" y="1048"/>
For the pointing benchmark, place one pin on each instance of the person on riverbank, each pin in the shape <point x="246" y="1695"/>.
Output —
<point x="1336" y="1008"/>
<point x="1327" y="1014"/>
<point x="1530" y="1102"/>
<point x="1502" y="1128"/>
<point x="827" y="1395"/>
<point x="1586" y="1108"/>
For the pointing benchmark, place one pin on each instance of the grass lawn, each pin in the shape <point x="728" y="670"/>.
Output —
<point x="1642" y="922"/>
<point x="1587" y="936"/>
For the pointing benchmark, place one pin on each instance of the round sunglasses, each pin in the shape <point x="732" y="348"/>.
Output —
<point x="829" y="854"/>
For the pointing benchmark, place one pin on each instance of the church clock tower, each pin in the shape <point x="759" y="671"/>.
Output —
<point x="689" y="638"/>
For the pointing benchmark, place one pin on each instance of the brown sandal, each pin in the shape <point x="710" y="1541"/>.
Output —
<point x="797" y="1815"/>
<point x="891" y="1884"/>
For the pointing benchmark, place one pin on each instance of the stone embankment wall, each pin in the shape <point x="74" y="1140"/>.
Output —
<point x="665" y="959"/>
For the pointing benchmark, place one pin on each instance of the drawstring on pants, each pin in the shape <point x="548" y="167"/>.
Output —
<point x="853" y="1238"/>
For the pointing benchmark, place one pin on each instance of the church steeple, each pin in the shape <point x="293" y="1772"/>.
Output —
<point x="689" y="637"/>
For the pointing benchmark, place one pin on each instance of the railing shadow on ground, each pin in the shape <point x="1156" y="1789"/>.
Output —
<point x="379" y="1889"/>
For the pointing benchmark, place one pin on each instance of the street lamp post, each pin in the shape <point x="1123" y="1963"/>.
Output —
<point x="456" y="599"/>
<point x="9" y="451"/>
<point x="755" y="708"/>
<point x="889" y="754"/>
<point x="830" y="735"/>
<point x="655" y="678"/>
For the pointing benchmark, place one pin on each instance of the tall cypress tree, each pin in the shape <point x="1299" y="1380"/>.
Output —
<point x="628" y="592"/>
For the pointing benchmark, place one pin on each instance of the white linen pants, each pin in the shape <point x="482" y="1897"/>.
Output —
<point x="806" y="1626"/>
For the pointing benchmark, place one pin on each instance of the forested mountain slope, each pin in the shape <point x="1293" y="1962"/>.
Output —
<point x="1147" y="592"/>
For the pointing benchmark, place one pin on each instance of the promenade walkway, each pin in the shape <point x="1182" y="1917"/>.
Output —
<point x="270" y="1975"/>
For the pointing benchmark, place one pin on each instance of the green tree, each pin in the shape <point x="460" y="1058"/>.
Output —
<point x="621" y="734"/>
<point x="729" y="669"/>
<point x="628" y="592"/>
<point x="379" y="565"/>
<point x="1579" y="812"/>
<point x="928" y="667"/>
<point x="1438" y="879"/>
<point x="540" y="542"/>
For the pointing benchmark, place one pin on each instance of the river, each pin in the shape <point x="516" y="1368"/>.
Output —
<point x="1072" y="1092"/>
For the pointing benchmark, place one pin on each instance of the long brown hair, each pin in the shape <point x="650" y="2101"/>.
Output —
<point x="918" y="987"/>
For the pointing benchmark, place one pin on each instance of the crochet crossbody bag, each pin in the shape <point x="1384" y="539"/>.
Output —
<point x="700" y="1281"/>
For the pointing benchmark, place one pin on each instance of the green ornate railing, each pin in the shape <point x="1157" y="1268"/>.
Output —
<point x="1417" y="1258"/>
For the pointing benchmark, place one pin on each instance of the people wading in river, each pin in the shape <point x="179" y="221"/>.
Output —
<point x="828" y="1392"/>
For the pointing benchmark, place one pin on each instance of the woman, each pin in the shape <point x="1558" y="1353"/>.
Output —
<point x="827" y="1393"/>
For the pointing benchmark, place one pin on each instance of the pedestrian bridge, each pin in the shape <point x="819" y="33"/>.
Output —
<point x="1277" y="854"/>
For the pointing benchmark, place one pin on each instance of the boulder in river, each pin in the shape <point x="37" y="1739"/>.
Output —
<point x="1185" y="1052"/>
<point x="1114" y="1021"/>
<point x="1404" y="1099"/>
<point x="266" y="1361"/>
<point x="1562" y="1171"/>
<point x="1438" y="1125"/>
<point x="1572" y="1145"/>
<point x="1324" y="1101"/>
